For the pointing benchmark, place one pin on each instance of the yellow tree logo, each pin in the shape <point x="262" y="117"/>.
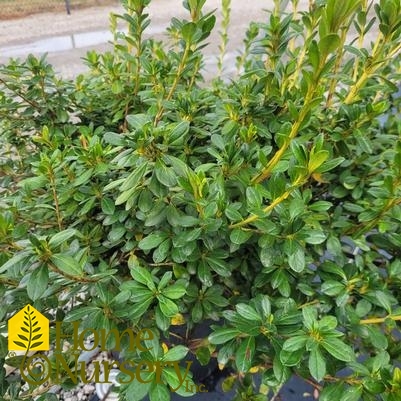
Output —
<point x="28" y="330"/>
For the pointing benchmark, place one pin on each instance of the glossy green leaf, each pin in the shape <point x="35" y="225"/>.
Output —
<point x="143" y="276"/>
<point x="247" y="312"/>
<point x="61" y="237"/>
<point x="238" y="236"/>
<point x="176" y="353"/>
<point x="38" y="282"/>
<point x="297" y="260"/>
<point x="223" y="335"/>
<point x="317" y="364"/>
<point x="245" y="353"/>
<point x="159" y="392"/>
<point x="66" y="264"/>
<point x="174" y="291"/>
<point x="168" y="307"/>
<point x="295" y="343"/>
<point x="108" y="206"/>
<point x="338" y="349"/>
<point x="152" y="240"/>
<point x="134" y="178"/>
<point x="136" y="390"/>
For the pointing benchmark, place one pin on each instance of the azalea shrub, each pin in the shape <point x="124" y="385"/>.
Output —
<point x="141" y="196"/>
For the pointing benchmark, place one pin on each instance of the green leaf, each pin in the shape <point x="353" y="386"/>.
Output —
<point x="352" y="394"/>
<point x="178" y="134"/>
<point x="288" y="358"/>
<point x="383" y="299"/>
<point x="37" y="283"/>
<point x="61" y="237"/>
<point x="137" y="121"/>
<point x="168" y="307"/>
<point x="203" y="355"/>
<point x="66" y="264"/>
<point x="136" y="390"/>
<point x="178" y="165"/>
<point x="188" y="30"/>
<point x="245" y="353"/>
<point x="264" y="304"/>
<point x="363" y="307"/>
<point x="21" y="257"/>
<point x="162" y="322"/>
<point x="332" y="392"/>
<point x="114" y="139"/>
<point x="162" y="251"/>
<point x="83" y="178"/>
<point x="153" y="240"/>
<point x="309" y="314"/>
<point x="320" y="206"/>
<point x="116" y="233"/>
<point x="138" y="309"/>
<point x="329" y="43"/>
<point x="204" y="274"/>
<point x="220" y="266"/>
<point x="165" y="175"/>
<point x="317" y="159"/>
<point x="329" y="165"/>
<point x="170" y="376"/>
<point x="232" y="214"/>
<point x="329" y="323"/>
<point x="314" y="56"/>
<point x="116" y="87"/>
<point x="176" y="353"/>
<point x="221" y="336"/>
<point x="188" y="221"/>
<point x="295" y="343"/>
<point x="267" y="256"/>
<point x="174" y="291"/>
<point x="33" y="183"/>
<point x="297" y="260"/>
<point x="197" y="312"/>
<point x="108" y="206"/>
<point x="247" y="312"/>
<point x="239" y="236"/>
<point x="141" y="275"/>
<point x="338" y="349"/>
<point x="80" y="313"/>
<point x="253" y="198"/>
<point x="377" y="337"/>
<point x="314" y="237"/>
<point x="332" y="287"/>
<point x="125" y="195"/>
<point x="134" y="178"/>
<point x="113" y="184"/>
<point x="140" y="293"/>
<point x="218" y="141"/>
<point x="159" y="392"/>
<point x="317" y="364"/>
<point x="165" y="280"/>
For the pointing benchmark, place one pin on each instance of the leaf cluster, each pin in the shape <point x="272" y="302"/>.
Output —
<point x="139" y="196"/>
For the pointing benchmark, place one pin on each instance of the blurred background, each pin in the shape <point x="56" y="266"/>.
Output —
<point x="41" y="27"/>
<point x="21" y="8"/>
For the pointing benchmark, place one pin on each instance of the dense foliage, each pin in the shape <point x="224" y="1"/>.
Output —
<point x="139" y="196"/>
